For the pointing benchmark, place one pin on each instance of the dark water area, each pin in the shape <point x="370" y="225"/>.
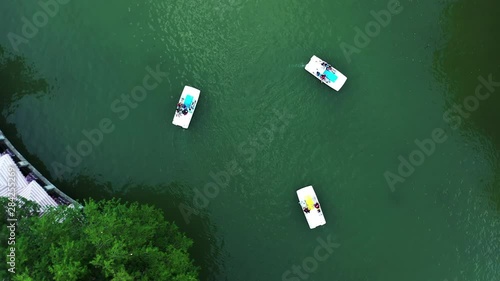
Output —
<point x="471" y="50"/>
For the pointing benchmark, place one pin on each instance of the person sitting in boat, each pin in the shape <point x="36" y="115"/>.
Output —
<point x="185" y="111"/>
<point x="317" y="73"/>
<point x="306" y="210"/>
<point x="316" y="205"/>
<point x="323" y="77"/>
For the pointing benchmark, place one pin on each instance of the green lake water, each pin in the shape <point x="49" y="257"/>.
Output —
<point x="442" y="222"/>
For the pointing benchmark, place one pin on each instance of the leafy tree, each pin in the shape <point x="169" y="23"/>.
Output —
<point x="106" y="240"/>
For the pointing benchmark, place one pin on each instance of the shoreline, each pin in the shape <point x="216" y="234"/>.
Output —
<point x="26" y="168"/>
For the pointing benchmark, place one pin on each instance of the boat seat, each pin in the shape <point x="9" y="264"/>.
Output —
<point x="188" y="101"/>
<point x="330" y="75"/>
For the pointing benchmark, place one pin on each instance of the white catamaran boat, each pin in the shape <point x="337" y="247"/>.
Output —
<point x="186" y="106"/>
<point x="311" y="207"/>
<point x="326" y="73"/>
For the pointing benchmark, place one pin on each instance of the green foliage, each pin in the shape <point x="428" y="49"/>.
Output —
<point x="107" y="240"/>
<point x="22" y="210"/>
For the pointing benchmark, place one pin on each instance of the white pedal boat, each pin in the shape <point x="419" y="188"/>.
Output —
<point x="324" y="72"/>
<point x="311" y="207"/>
<point x="186" y="106"/>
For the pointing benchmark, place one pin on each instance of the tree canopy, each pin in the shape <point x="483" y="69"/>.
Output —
<point x="106" y="240"/>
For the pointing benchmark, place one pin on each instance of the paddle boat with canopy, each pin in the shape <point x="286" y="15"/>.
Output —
<point x="311" y="207"/>
<point x="324" y="72"/>
<point x="186" y="106"/>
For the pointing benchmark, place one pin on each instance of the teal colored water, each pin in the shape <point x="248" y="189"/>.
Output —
<point x="264" y="127"/>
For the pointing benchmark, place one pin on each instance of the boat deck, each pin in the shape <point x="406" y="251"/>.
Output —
<point x="187" y="102"/>
<point x="307" y="199"/>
